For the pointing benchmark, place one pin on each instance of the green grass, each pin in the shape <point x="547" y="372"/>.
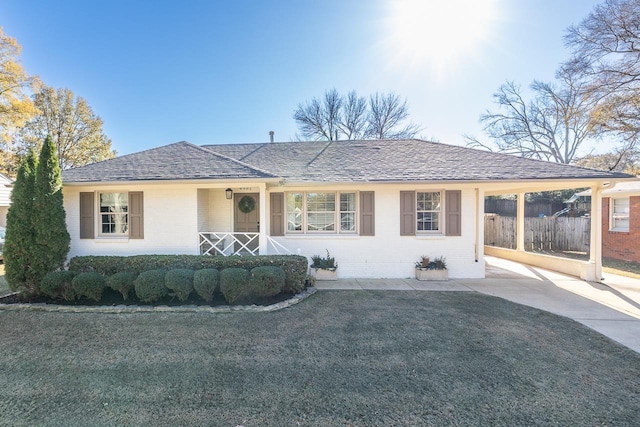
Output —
<point x="340" y="358"/>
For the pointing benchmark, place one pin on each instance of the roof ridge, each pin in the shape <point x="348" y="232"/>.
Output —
<point x="257" y="169"/>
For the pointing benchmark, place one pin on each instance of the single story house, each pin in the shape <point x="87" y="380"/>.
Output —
<point x="6" y="185"/>
<point x="376" y="206"/>
<point x="620" y="221"/>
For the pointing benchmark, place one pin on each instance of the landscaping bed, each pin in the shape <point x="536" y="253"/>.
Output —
<point x="111" y="298"/>
<point x="168" y="280"/>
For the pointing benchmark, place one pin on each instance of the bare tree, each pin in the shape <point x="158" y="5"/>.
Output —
<point x="551" y="126"/>
<point x="386" y="116"/>
<point x="353" y="123"/>
<point x="352" y="117"/>
<point x="606" y="52"/>
<point x="320" y="119"/>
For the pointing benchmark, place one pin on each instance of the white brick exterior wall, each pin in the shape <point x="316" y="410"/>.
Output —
<point x="389" y="255"/>
<point x="173" y="215"/>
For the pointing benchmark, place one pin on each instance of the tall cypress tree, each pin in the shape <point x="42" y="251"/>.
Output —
<point x="20" y="238"/>
<point x="51" y="236"/>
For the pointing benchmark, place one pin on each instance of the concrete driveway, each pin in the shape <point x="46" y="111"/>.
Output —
<point x="611" y="307"/>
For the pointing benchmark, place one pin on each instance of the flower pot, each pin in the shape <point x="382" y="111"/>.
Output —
<point x="424" y="274"/>
<point x="324" y="273"/>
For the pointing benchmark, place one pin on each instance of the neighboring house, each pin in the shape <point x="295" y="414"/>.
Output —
<point x="377" y="206"/>
<point x="620" y="221"/>
<point x="6" y="185"/>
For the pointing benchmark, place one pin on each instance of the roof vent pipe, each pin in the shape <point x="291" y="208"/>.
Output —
<point x="271" y="133"/>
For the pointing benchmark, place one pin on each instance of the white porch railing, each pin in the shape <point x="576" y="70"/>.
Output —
<point x="237" y="243"/>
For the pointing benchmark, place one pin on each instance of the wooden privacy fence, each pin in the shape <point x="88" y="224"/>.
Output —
<point x="540" y="234"/>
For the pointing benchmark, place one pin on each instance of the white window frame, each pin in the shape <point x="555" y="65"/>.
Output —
<point x="98" y="219"/>
<point x="337" y="214"/>
<point x="440" y="213"/>
<point x="614" y="216"/>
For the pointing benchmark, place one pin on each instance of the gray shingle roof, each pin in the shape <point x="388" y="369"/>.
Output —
<point x="396" y="161"/>
<point x="179" y="161"/>
<point x="324" y="162"/>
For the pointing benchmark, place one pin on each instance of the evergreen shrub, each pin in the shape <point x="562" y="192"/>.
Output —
<point x="58" y="285"/>
<point x="52" y="239"/>
<point x="20" y="237"/>
<point x="150" y="285"/>
<point x="180" y="281"/>
<point x="206" y="283"/>
<point x="89" y="285"/>
<point x="265" y="282"/>
<point x="122" y="282"/>
<point x="294" y="266"/>
<point x="233" y="284"/>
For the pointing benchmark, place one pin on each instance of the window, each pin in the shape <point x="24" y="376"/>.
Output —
<point x="294" y="211"/>
<point x="114" y="214"/>
<point x="428" y="211"/>
<point x="315" y="212"/>
<point x="619" y="214"/>
<point x="431" y="213"/>
<point x="348" y="212"/>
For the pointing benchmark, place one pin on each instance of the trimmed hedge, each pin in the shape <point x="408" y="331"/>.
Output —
<point x="122" y="282"/>
<point x="206" y="282"/>
<point x="90" y="285"/>
<point x="150" y="286"/>
<point x="180" y="281"/>
<point x="294" y="266"/>
<point x="57" y="285"/>
<point x="233" y="284"/>
<point x="266" y="281"/>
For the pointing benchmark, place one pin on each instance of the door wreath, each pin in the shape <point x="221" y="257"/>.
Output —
<point x="247" y="204"/>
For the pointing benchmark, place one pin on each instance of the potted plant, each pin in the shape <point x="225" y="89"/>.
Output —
<point x="324" y="268"/>
<point x="432" y="270"/>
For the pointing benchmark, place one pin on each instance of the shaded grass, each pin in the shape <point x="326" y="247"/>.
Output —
<point x="354" y="358"/>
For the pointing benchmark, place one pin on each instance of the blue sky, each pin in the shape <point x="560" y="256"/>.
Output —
<point x="213" y="72"/>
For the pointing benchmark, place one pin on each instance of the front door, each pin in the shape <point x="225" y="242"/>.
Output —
<point x="246" y="218"/>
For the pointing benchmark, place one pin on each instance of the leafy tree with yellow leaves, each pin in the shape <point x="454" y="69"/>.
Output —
<point x="76" y="131"/>
<point x="16" y="106"/>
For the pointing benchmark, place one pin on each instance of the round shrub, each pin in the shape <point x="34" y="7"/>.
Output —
<point x="150" y="286"/>
<point x="122" y="282"/>
<point x="233" y="284"/>
<point x="206" y="282"/>
<point x="266" y="282"/>
<point x="89" y="285"/>
<point x="180" y="281"/>
<point x="57" y="284"/>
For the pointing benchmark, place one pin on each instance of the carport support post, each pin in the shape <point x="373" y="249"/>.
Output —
<point x="595" y="242"/>
<point x="520" y="223"/>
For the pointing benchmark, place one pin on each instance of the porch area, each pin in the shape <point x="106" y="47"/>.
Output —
<point x="243" y="244"/>
<point x="233" y="221"/>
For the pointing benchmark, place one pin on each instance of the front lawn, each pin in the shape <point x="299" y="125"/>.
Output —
<point x="343" y="358"/>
